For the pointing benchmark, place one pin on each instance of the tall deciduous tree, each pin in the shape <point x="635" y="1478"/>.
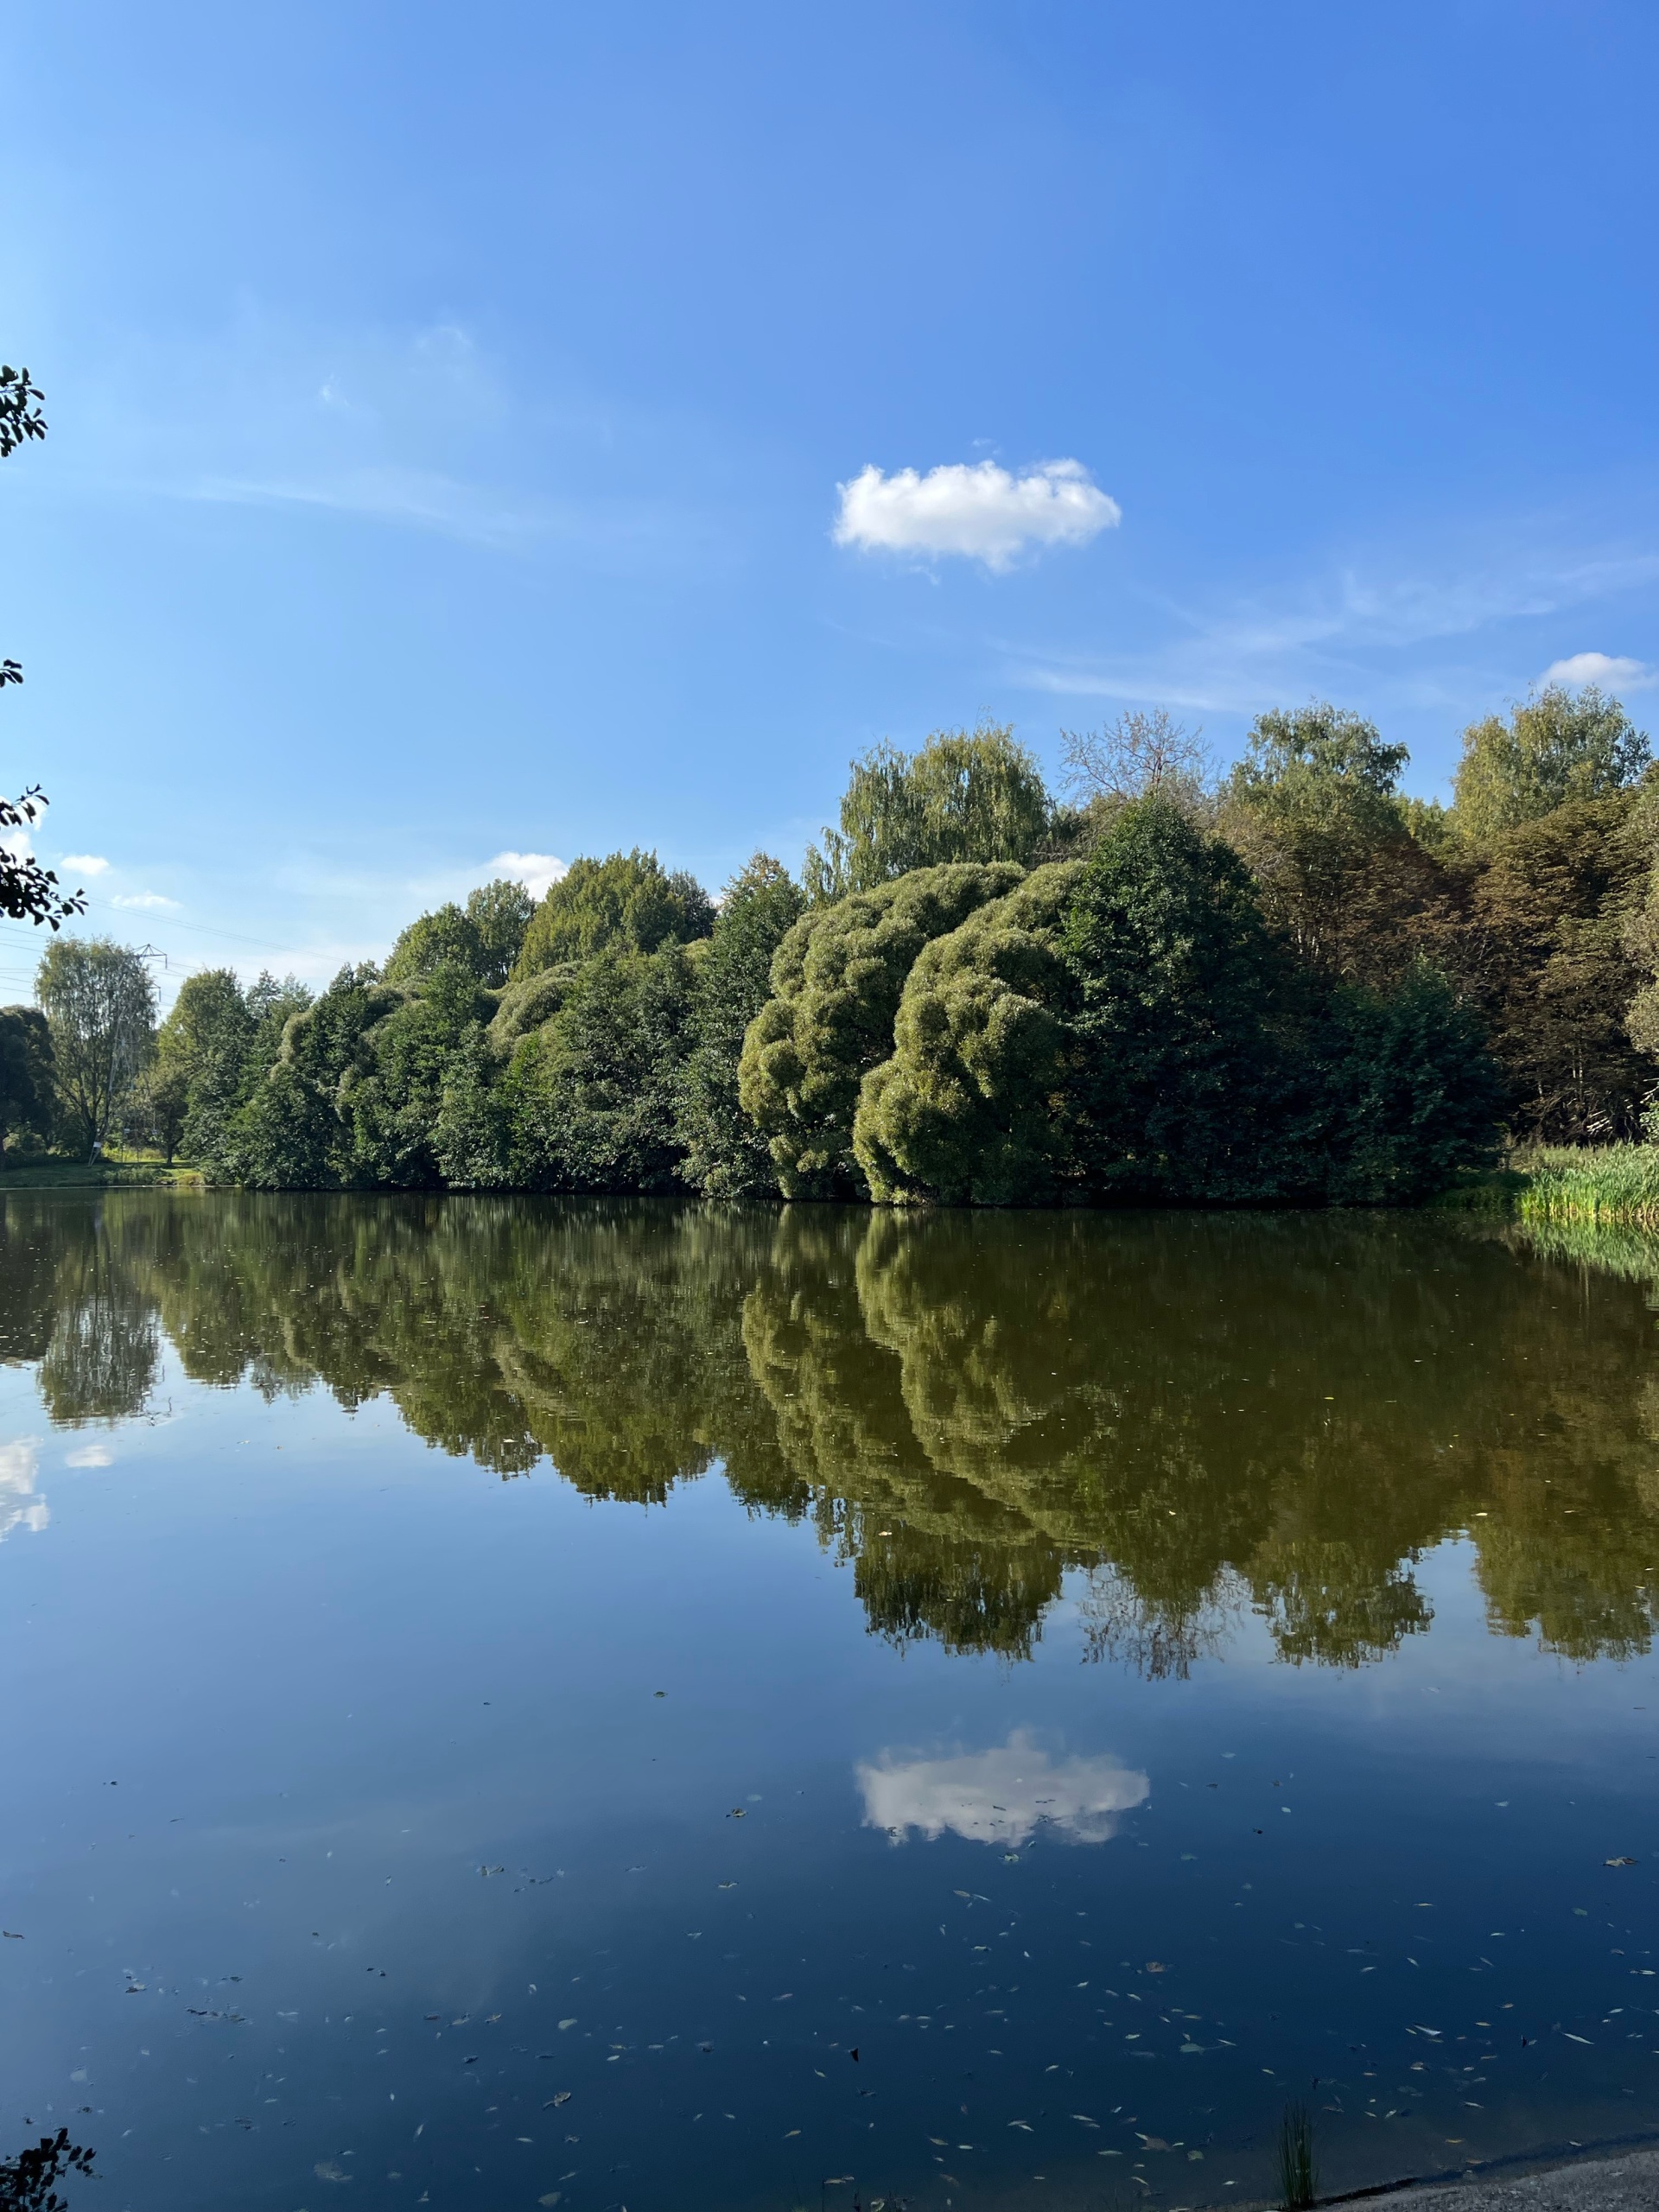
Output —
<point x="629" y="901"/>
<point x="485" y="936"/>
<point x="101" y="1007"/>
<point x="1556" y="748"/>
<point x="966" y="795"/>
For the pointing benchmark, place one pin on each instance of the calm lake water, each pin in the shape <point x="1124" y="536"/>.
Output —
<point x="514" y="1703"/>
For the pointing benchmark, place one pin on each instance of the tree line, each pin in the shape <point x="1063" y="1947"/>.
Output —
<point x="1289" y="982"/>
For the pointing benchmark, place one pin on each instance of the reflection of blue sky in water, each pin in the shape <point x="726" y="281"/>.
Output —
<point x="1002" y="1795"/>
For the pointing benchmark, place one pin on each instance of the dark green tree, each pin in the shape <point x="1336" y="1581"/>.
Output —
<point x="726" y="1156"/>
<point x="1187" y="1076"/>
<point x="1415" y="1098"/>
<point x="593" y="1095"/>
<point x="26" y="1086"/>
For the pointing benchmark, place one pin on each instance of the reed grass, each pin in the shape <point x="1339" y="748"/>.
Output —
<point x="1603" y="1183"/>
<point x="1299" y="2171"/>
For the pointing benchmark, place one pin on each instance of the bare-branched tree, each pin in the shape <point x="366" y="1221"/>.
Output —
<point x="1138" y="754"/>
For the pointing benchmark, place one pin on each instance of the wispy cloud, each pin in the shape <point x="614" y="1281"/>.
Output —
<point x="976" y="509"/>
<point x="412" y="498"/>
<point x="86" y="863"/>
<point x="145" y="901"/>
<point x="1610" y="672"/>
<point x="1349" y="632"/>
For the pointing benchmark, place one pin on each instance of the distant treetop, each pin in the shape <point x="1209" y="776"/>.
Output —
<point x="628" y="901"/>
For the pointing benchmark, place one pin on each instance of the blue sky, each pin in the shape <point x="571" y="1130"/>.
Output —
<point x="448" y="411"/>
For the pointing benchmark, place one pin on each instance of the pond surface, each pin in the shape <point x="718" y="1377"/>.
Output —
<point x="517" y="1703"/>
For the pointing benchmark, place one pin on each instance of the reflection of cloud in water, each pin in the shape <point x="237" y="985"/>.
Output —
<point x="90" y="1455"/>
<point x="19" y="1507"/>
<point x="1000" y="1797"/>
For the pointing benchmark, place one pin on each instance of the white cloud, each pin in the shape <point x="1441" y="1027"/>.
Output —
<point x="976" y="509"/>
<point x="144" y="900"/>
<point x="90" y="1455"/>
<point x="1610" y="671"/>
<point x="1002" y="1795"/>
<point x="537" y="872"/>
<point x="87" y="863"/>
<point x="19" y="1506"/>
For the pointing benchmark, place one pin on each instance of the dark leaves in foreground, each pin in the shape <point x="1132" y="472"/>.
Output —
<point x="29" y="2182"/>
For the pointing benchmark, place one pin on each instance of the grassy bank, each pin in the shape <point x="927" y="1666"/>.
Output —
<point x="1613" y="1182"/>
<point x="130" y="1171"/>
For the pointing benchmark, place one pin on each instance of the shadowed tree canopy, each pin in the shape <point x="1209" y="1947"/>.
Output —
<point x="966" y="795"/>
<point x="628" y="901"/>
<point x="25" y="1074"/>
<point x="1559" y="747"/>
<point x="726" y="1154"/>
<point x="1186" y="1080"/>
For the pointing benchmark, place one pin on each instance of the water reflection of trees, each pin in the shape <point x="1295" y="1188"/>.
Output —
<point x="1203" y="1415"/>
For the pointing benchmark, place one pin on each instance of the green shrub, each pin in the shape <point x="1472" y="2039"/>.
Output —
<point x="969" y="1108"/>
<point x="837" y="981"/>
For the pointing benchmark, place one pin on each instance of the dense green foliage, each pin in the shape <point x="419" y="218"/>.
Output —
<point x="1557" y="747"/>
<point x="630" y="901"/>
<point x="837" y="978"/>
<point x="484" y="938"/>
<point x="101" y="1010"/>
<point x="26" y="1103"/>
<point x="726" y="1154"/>
<point x="966" y="795"/>
<point x="1293" y="985"/>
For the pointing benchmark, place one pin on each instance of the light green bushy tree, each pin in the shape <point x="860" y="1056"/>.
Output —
<point x="966" y="795"/>
<point x="969" y="1109"/>
<point x="101" y="1006"/>
<point x="628" y="901"/>
<point x="483" y="938"/>
<point x="1556" y="748"/>
<point x="837" y="980"/>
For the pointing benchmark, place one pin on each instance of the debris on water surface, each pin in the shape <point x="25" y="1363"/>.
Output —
<point x="1619" y="1862"/>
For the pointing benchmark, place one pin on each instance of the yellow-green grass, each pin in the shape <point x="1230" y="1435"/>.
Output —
<point x="1600" y="1183"/>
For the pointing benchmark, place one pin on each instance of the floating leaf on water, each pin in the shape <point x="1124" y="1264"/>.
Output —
<point x="571" y="2022"/>
<point x="1619" y="1862"/>
<point x="561" y="2097"/>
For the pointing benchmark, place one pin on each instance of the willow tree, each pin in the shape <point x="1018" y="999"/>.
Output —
<point x="837" y="980"/>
